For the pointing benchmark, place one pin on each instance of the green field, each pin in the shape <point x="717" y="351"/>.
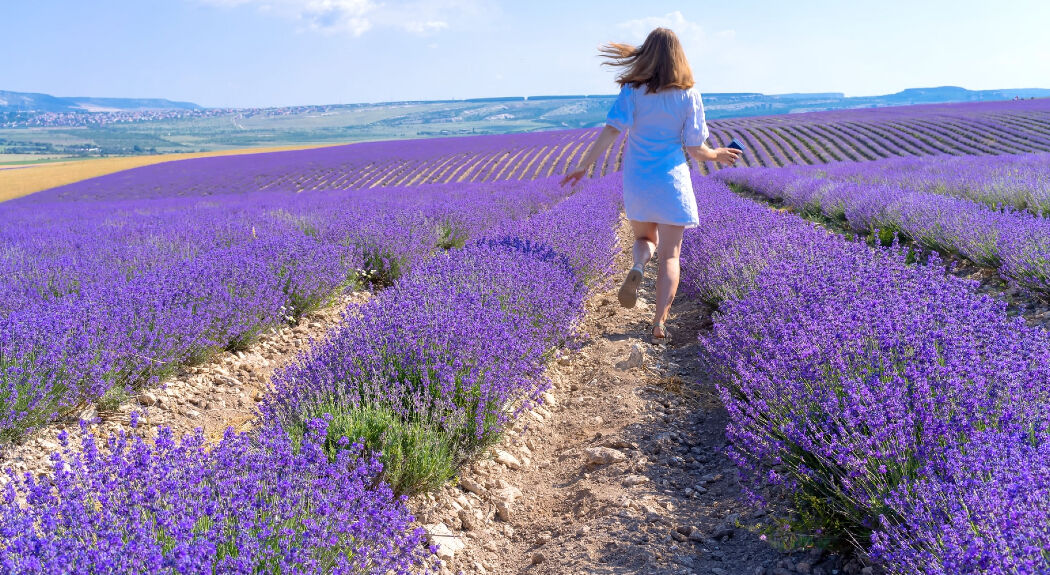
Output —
<point x="294" y="126"/>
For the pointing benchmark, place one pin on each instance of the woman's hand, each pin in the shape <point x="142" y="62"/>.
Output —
<point x="727" y="156"/>
<point x="705" y="153"/>
<point x="574" y="176"/>
<point x="605" y="139"/>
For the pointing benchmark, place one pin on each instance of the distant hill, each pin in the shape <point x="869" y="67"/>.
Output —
<point x="32" y="102"/>
<point x="742" y="104"/>
<point x="36" y="127"/>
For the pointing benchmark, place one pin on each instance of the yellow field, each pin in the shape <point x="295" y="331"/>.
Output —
<point x="20" y="180"/>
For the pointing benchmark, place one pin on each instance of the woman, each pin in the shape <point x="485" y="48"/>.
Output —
<point x="662" y="111"/>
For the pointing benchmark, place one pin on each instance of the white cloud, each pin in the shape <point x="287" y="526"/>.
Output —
<point x="424" y="27"/>
<point x="355" y="17"/>
<point x="694" y="37"/>
<point x="640" y="28"/>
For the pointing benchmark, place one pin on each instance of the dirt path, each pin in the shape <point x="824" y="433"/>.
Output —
<point x="622" y="471"/>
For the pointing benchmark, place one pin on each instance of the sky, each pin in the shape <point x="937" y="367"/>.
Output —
<point x="258" y="53"/>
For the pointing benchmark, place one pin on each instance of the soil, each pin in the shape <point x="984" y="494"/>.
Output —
<point x="622" y="471"/>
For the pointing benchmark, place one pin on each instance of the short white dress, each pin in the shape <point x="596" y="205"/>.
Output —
<point x="656" y="183"/>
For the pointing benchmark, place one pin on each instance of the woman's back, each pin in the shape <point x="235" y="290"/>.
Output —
<point x="659" y="124"/>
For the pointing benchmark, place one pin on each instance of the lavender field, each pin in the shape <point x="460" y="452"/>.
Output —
<point x="895" y="407"/>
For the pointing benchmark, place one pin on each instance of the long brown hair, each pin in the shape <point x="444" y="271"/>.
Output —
<point x="659" y="63"/>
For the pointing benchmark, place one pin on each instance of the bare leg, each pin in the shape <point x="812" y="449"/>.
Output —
<point x="667" y="278"/>
<point x="645" y="239"/>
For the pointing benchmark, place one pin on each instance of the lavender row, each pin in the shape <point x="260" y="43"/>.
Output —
<point x="1014" y="242"/>
<point x="106" y="296"/>
<point x="432" y="370"/>
<point x="861" y="135"/>
<point x="367" y="165"/>
<point x="259" y="504"/>
<point x="1019" y="182"/>
<point x="984" y="128"/>
<point x="435" y="366"/>
<point x="898" y="408"/>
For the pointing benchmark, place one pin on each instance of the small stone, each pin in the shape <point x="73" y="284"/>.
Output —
<point x="710" y="478"/>
<point x="507" y="493"/>
<point x="442" y="537"/>
<point x="507" y="459"/>
<point x="722" y="530"/>
<point x="636" y="359"/>
<point x="538" y="558"/>
<point x="471" y="486"/>
<point x="804" y="568"/>
<point x="632" y="480"/>
<point x="603" y="455"/>
<point x="467" y="519"/>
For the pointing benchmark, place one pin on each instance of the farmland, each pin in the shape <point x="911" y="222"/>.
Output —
<point x="872" y="399"/>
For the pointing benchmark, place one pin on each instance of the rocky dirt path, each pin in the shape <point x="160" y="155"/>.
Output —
<point x="622" y="471"/>
<point x="217" y="394"/>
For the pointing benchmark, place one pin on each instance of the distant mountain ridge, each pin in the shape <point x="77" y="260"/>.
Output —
<point x="720" y="103"/>
<point x="34" y="102"/>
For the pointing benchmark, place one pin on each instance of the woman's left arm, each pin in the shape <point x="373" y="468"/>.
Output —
<point x="605" y="139"/>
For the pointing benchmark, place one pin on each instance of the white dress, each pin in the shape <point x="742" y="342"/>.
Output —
<point x="656" y="183"/>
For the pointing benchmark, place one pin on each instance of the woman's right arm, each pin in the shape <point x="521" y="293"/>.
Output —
<point x="605" y="139"/>
<point x="705" y="153"/>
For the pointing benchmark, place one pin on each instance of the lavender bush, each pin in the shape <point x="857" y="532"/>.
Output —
<point x="1016" y="243"/>
<point x="250" y="504"/>
<point x="873" y="391"/>
<point x="433" y="369"/>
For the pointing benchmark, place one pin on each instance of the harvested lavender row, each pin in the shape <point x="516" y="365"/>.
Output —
<point x="1017" y="243"/>
<point x="246" y="505"/>
<point x="102" y="295"/>
<point x="363" y="165"/>
<point x="899" y="408"/>
<point x="432" y="370"/>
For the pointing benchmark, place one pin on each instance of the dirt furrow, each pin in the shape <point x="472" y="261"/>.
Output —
<point x="217" y="394"/>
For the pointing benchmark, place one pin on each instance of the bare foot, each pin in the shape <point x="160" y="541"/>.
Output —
<point x="628" y="294"/>
<point x="659" y="330"/>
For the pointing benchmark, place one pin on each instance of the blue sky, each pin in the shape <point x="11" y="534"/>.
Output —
<point x="289" y="52"/>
